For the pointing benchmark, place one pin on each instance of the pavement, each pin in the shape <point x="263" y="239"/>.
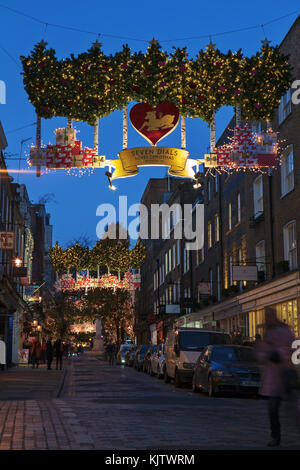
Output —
<point x="90" y="405"/>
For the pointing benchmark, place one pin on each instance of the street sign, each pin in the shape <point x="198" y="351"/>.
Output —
<point x="204" y="288"/>
<point x="7" y="240"/>
<point x="172" y="308"/>
<point x="244" y="273"/>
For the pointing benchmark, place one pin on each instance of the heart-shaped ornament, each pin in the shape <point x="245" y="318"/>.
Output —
<point x="154" y="123"/>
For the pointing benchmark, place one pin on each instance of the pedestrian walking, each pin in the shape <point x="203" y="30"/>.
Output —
<point x="274" y="353"/>
<point x="59" y="350"/>
<point x="49" y="353"/>
<point x="35" y="352"/>
<point x="111" y="353"/>
<point x="43" y="352"/>
<point x="2" y="353"/>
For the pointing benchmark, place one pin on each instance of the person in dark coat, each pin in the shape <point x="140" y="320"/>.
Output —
<point x="111" y="354"/>
<point x="59" y="350"/>
<point x="49" y="353"/>
<point x="35" y="352"/>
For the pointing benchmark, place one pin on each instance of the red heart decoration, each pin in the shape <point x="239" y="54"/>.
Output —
<point x="154" y="123"/>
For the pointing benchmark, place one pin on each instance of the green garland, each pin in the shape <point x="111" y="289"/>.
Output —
<point x="93" y="85"/>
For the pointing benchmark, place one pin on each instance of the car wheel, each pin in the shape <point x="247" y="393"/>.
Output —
<point x="195" y="389"/>
<point x="211" y="387"/>
<point x="166" y="377"/>
<point x="178" y="382"/>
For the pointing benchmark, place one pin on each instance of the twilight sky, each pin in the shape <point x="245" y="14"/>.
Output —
<point x="73" y="208"/>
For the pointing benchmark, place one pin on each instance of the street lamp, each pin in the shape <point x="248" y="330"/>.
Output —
<point x="17" y="262"/>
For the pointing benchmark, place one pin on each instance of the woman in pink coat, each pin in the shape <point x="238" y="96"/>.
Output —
<point x="274" y="353"/>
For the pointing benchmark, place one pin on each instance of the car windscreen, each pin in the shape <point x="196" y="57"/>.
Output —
<point x="232" y="355"/>
<point x="197" y="340"/>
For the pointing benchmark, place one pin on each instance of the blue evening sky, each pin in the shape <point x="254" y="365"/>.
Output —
<point x="73" y="210"/>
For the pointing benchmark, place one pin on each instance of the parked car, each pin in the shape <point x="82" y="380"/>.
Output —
<point x="227" y="368"/>
<point x="157" y="361"/>
<point x="147" y="358"/>
<point x="129" y="355"/>
<point x="183" y="347"/>
<point x="120" y="359"/>
<point x="139" y="356"/>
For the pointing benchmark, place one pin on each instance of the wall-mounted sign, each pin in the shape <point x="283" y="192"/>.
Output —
<point x="172" y="308"/>
<point x="7" y="240"/>
<point x="244" y="273"/>
<point x="204" y="288"/>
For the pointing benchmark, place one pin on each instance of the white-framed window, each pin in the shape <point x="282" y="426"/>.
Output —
<point x="173" y="256"/>
<point x="186" y="260"/>
<point x="230" y="271"/>
<point x="238" y="207"/>
<point x="287" y="172"/>
<point x="258" y="196"/>
<point x="290" y="244"/>
<point x="209" y="235"/>
<point x="170" y="259"/>
<point x="285" y="106"/>
<point x="229" y="216"/>
<point x="217" y="228"/>
<point x="178" y="251"/>
<point x="260" y="255"/>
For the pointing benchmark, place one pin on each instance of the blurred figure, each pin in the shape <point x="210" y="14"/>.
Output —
<point x="274" y="353"/>
<point x="43" y="351"/>
<point x="35" y="352"/>
<point x="59" y="350"/>
<point x="111" y="353"/>
<point x="49" y="353"/>
<point x="2" y="353"/>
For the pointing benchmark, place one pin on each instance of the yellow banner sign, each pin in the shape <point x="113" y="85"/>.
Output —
<point x="131" y="159"/>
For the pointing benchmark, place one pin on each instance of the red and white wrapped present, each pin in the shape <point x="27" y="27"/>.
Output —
<point x="88" y="156"/>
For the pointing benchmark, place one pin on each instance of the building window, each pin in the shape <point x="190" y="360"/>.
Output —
<point x="178" y="251"/>
<point x="209" y="190"/>
<point x="260" y="256"/>
<point x="230" y="271"/>
<point x="209" y="235"/>
<point x="166" y="263"/>
<point x="238" y="207"/>
<point x="285" y="106"/>
<point x="287" y="172"/>
<point x="211" y="281"/>
<point x="229" y="217"/>
<point x="258" y="196"/>
<point x="199" y="256"/>
<point x="290" y="244"/>
<point x="217" y="228"/>
<point x="186" y="260"/>
<point x="173" y="256"/>
<point x="218" y="283"/>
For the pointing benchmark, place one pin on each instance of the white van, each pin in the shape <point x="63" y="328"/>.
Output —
<point x="183" y="346"/>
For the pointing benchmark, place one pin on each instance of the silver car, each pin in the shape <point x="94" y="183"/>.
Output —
<point x="157" y="361"/>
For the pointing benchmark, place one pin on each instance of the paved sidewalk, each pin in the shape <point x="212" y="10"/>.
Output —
<point x="25" y="383"/>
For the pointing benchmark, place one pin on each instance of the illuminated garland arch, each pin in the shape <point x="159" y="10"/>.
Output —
<point x="93" y="85"/>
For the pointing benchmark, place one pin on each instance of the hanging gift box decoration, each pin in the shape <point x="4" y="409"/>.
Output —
<point x="266" y="148"/>
<point x="211" y="160"/>
<point x="65" y="136"/>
